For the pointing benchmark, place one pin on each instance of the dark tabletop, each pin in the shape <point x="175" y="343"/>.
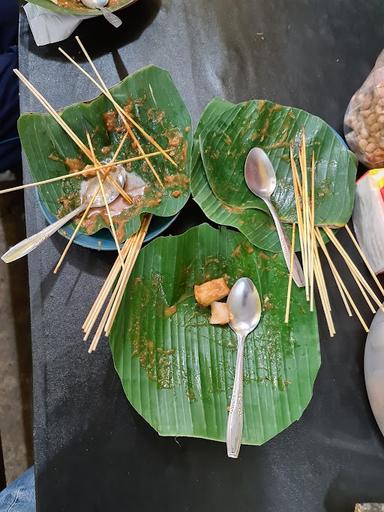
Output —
<point x="93" y="452"/>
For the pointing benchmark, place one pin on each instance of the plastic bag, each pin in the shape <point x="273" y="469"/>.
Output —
<point x="364" y="118"/>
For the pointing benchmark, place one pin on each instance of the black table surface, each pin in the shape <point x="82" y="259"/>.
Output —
<point x="93" y="452"/>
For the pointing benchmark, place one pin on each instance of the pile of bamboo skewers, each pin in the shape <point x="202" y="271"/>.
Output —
<point x="311" y="240"/>
<point x="117" y="280"/>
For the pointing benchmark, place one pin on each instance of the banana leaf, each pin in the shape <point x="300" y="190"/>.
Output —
<point x="227" y="132"/>
<point x="257" y="225"/>
<point x="76" y="8"/>
<point x="177" y="370"/>
<point x="154" y="102"/>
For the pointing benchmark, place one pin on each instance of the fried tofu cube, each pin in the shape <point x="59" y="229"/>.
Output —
<point x="219" y="313"/>
<point x="211" y="291"/>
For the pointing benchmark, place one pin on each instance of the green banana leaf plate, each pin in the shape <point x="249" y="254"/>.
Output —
<point x="177" y="370"/>
<point x="224" y="136"/>
<point x="76" y="8"/>
<point x="153" y="100"/>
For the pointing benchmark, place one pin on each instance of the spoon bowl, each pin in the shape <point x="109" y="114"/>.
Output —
<point x="259" y="173"/>
<point x="89" y="187"/>
<point x="245" y="306"/>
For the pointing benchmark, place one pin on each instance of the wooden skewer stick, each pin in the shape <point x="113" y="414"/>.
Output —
<point x="106" y="204"/>
<point x="298" y="190"/>
<point x="104" y="318"/>
<point x="130" y="119"/>
<point x="288" y="305"/>
<point x="119" y="147"/>
<point x="105" y="290"/>
<point x="123" y="114"/>
<point x="340" y="284"/>
<point x="363" y="293"/>
<point x="364" y="258"/>
<point x="69" y="131"/>
<point x="54" y="114"/>
<point x="352" y="267"/>
<point x="323" y="293"/>
<point x="110" y="218"/>
<point x="117" y="186"/>
<point x="99" y="331"/>
<point x="313" y="235"/>
<point x="103" y="88"/>
<point x="129" y="264"/>
<point x="304" y="196"/>
<point x="120" y="189"/>
<point x="76" y="230"/>
<point x="78" y="173"/>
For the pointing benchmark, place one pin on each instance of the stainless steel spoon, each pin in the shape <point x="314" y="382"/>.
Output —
<point x="245" y="311"/>
<point x="261" y="180"/>
<point x="108" y="15"/>
<point x="87" y="190"/>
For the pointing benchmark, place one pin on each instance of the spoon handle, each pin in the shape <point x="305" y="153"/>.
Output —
<point x="29" y="244"/>
<point x="111" y="17"/>
<point x="235" y="417"/>
<point x="298" y="275"/>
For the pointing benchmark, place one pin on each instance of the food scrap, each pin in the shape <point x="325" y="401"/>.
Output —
<point x="168" y="312"/>
<point x="220" y="314"/>
<point x="211" y="291"/>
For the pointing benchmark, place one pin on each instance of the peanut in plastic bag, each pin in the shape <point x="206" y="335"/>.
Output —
<point x="364" y="118"/>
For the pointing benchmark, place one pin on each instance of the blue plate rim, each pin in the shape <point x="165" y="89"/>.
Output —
<point x="101" y="244"/>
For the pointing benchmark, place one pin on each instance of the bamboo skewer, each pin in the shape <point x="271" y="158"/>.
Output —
<point x="119" y="147"/>
<point x="75" y="231"/>
<point x="123" y="114"/>
<point x="103" y="294"/>
<point x="352" y="267"/>
<point x="54" y="114"/>
<point x="79" y="173"/>
<point x="363" y="293"/>
<point x="71" y="133"/>
<point x="66" y="128"/>
<point x="304" y="197"/>
<point x="313" y="235"/>
<point x="299" y="214"/>
<point x="323" y="293"/>
<point x="106" y="313"/>
<point x="339" y="282"/>
<point x="291" y="262"/>
<point x="106" y="204"/>
<point x="130" y="261"/>
<point x="109" y="314"/>
<point x="120" y="189"/>
<point x="305" y="215"/>
<point x="310" y="237"/>
<point x="110" y="218"/>
<point x="364" y="258"/>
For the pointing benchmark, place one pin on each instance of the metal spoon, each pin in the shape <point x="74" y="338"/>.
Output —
<point x="245" y="310"/>
<point x="87" y="190"/>
<point x="108" y="15"/>
<point x="261" y="180"/>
